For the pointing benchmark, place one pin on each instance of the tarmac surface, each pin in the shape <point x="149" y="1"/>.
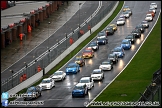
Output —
<point x="61" y="94"/>
<point x="18" y="49"/>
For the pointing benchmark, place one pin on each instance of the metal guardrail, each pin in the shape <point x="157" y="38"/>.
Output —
<point x="52" y="53"/>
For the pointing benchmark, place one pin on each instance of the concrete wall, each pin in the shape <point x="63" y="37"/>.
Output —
<point x="39" y="75"/>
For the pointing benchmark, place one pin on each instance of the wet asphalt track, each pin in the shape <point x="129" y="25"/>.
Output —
<point x="60" y="95"/>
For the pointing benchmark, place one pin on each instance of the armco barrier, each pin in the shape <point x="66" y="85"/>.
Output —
<point x="39" y="75"/>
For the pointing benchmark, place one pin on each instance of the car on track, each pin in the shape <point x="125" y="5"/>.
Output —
<point x="110" y="60"/>
<point x="151" y="12"/>
<point x="59" y="75"/>
<point x="131" y="37"/>
<point x="120" y="21"/>
<point x="80" y="60"/>
<point x="97" y="74"/>
<point x="80" y="90"/>
<point x="122" y="16"/>
<point x="140" y="27"/>
<point x="88" y="53"/>
<point x="153" y="5"/>
<point x="119" y="51"/>
<point x="33" y="92"/>
<point x="102" y="41"/>
<point x="126" y="44"/>
<point x="129" y="11"/>
<point x="149" y="17"/>
<point x="136" y="33"/>
<point x="101" y="34"/>
<point x="72" y="68"/>
<point x="114" y="26"/>
<point x="153" y="9"/>
<point x="88" y="81"/>
<point x="113" y="57"/>
<point x="109" y="30"/>
<point x="145" y="24"/>
<point x="106" y="65"/>
<point x="94" y="45"/>
<point x="126" y="14"/>
<point x="47" y="83"/>
<point x="126" y="8"/>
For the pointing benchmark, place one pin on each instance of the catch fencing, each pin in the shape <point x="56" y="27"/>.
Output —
<point x="152" y="93"/>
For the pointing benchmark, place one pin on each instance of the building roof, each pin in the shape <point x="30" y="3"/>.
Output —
<point x="16" y="13"/>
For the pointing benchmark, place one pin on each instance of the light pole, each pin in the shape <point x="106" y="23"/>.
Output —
<point x="66" y="39"/>
<point x="48" y="48"/>
<point x="35" y="61"/>
<point x="25" y="64"/>
<point x="66" y="20"/>
<point x="25" y="69"/>
<point x="12" y="76"/>
<point x="25" y="44"/>
<point x="91" y="20"/>
<point x="48" y="34"/>
<point x="66" y="27"/>
<point x="79" y="14"/>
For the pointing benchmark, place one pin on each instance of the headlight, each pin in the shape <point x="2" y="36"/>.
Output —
<point x="95" y="47"/>
<point x="82" y="91"/>
<point x="103" y="41"/>
<point x="58" y="77"/>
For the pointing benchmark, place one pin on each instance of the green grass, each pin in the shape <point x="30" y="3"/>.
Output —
<point x="138" y="74"/>
<point x="69" y="56"/>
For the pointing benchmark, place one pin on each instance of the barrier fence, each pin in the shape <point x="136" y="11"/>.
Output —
<point x="153" y="91"/>
<point x="52" y="53"/>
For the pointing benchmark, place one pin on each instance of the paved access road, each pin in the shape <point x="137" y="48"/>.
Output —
<point x="60" y="95"/>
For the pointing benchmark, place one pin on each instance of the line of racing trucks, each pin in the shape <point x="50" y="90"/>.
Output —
<point x="87" y="82"/>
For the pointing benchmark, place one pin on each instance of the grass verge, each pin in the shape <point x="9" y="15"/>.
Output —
<point x="138" y="74"/>
<point x="69" y="56"/>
